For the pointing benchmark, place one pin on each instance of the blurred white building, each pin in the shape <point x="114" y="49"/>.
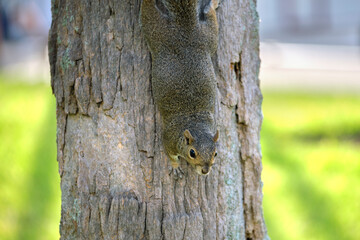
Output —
<point x="310" y="21"/>
<point x="310" y="44"/>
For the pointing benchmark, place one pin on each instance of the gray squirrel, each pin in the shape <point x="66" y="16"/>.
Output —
<point x="182" y="36"/>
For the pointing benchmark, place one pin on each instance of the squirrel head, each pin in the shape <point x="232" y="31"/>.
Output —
<point x="199" y="150"/>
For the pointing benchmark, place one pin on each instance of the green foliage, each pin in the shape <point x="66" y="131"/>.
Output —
<point x="311" y="174"/>
<point x="30" y="194"/>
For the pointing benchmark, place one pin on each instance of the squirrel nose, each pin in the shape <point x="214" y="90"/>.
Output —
<point x="205" y="170"/>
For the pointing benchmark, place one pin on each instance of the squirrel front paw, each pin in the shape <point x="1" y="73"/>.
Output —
<point x="175" y="168"/>
<point x="176" y="171"/>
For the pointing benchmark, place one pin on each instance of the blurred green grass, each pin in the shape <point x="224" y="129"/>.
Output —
<point x="29" y="180"/>
<point x="311" y="152"/>
<point x="311" y="168"/>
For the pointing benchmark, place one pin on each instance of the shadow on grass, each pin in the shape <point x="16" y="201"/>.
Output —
<point x="42" y="195"/>
<point x="316" y="208"/>
<point x="340" y="132"/>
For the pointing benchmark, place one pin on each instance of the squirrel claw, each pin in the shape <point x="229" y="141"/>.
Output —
<point x="178" y="172"/>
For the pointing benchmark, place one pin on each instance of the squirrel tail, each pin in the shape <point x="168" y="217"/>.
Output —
<point x="162" y="19"/>
<point x="184" y="9"/>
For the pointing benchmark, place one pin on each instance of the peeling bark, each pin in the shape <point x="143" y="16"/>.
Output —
<point x="114" y="173"/>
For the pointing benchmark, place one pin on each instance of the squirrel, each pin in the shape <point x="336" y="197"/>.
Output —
<point x="182" y="36"/>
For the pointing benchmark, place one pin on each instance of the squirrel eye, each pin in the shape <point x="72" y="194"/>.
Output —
<point x="192" y="153"/>
<point x="215" y="154"/>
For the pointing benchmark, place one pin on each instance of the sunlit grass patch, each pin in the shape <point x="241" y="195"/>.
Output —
<point x="311" y="142"/>
<point x="30" y="196"/>
<point x="311" y="158"/>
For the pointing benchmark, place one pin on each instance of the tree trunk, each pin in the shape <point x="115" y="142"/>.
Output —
<point x="115" y="180"/>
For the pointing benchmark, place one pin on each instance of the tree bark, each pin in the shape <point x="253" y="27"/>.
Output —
<point x="115" y="180"/>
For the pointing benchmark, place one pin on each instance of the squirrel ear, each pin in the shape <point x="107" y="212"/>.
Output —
<point x="216" y="136"/>
<point x="189" y="138"/>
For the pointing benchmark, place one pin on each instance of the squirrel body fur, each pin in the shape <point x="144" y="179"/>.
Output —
<point x="182" y="37"/>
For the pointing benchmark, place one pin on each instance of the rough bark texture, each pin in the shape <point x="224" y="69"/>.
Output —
<point x="114" y="173"/>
